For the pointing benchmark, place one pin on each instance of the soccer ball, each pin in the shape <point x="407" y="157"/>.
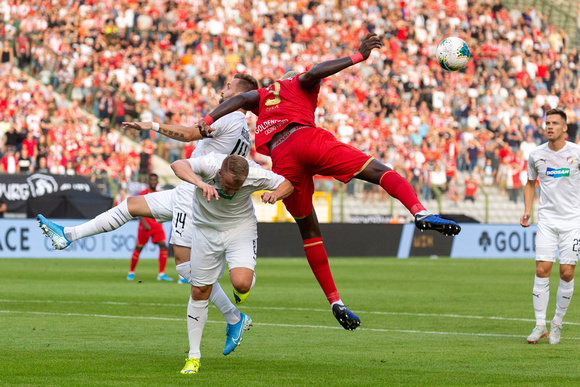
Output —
<point x="452" y="53"/>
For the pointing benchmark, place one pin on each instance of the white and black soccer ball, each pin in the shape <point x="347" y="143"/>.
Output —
<point x="452" y="53"/>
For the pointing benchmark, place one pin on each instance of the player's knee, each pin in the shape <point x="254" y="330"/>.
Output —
<point x="162" y="245"/>
<point x="243" y="287"/>
<point x="542" y="272"/>
<point x="199" y="293"/>
<point x="567" y="276"/>
<point x="242" y="284"/>
<point x="132" y="203"/>
<point x="139" y="247"/>
<point x="373" y="172"/>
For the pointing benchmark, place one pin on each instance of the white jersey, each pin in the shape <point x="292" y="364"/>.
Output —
<point x="230" y="210"/>
<point x="231" y="137"/>
<point x="559" y="174"/>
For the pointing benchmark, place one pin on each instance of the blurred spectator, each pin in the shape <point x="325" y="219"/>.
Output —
<point x="25" y="164"/>
<point x="453" y="193"/>
<point x="13" y="138"/>
<point x="9" y="162"/>
<point x="438" y="179"/>
<point x="121" y="195"/>
<point x="42" y="165"/>
<point x="149" y="61"/>
<point x="6" y="57"/>
<point x="471" y="186"/>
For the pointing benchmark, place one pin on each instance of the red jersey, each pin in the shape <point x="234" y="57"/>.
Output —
<point x="283" y="103"/>
<point x="470" y="187"/>
<point x="150" y="222"/>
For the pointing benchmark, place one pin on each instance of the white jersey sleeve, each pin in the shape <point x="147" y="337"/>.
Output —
<point x="231" y="137"/>
<point x="532" y="170"/>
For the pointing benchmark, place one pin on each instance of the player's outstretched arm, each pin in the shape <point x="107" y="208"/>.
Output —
<point x="247" y="101"/>
<point x="311" y="78"/>
<point x="176" y="132"/>
<point x="284" y="190"/>
<point x="529" y="193"/>
<point x="182" y="169"/>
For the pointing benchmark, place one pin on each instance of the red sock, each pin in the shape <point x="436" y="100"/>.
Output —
<point x="400" y="189"/>
<point x="318" y="261"/>
<point x="162" y="260"/>
<point x="134" y="259"/>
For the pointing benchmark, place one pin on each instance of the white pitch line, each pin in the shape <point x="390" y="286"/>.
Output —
<point x="275" y="325"/>
<point x="290" y="309"/>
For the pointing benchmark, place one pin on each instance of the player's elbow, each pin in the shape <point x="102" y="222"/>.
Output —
<point x="248" y="100"/>
<point x="191" y="135"/>
<point x="310" y="79"/>
<point x="178" y="166"/>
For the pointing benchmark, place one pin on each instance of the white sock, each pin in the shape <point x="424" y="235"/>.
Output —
<point x="563" y="297"/>
<point x="222" y="302"/>
<point x="196" y="319"/>
<point x="107" y="221"/>
<point x="541" y="296"/>
<point x="339" y="302"/>
<point x="184" y="270"/>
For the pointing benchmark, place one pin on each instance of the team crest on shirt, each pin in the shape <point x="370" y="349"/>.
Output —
<point x="570" y="160"/>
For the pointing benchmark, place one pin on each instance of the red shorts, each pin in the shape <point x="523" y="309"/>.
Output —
<point x="156" y="233"/>
<point x="314" y="151"/>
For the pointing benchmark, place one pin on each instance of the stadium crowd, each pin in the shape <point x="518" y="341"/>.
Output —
<point x="168" y="60"/>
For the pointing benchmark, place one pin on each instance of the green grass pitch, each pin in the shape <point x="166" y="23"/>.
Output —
<point x="434" y="322"/>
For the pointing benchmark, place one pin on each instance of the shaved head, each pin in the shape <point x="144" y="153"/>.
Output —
<point x="289" y="75"/>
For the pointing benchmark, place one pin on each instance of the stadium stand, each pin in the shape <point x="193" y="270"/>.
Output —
<point x="167" y="61"/>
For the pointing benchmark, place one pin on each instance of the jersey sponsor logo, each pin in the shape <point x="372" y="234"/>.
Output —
<point x="270" y="125"/>
<point x="560" y="172"/>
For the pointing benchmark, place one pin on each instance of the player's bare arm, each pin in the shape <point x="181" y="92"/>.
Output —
<point x="182" y="169"/>
<point x="310" y="79"/>
<point x="284" y="190"/>
<point x="529" y="193"/>
<point x="246" y="101"/>
<point x="176" y="132"/>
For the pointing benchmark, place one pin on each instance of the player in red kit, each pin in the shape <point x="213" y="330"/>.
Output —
<point x="286" y="131"/>
<point x="149" y="228"/>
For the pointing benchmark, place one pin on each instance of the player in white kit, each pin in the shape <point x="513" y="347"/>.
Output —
<point x="557" y="165"/>
<point x="231" y="136"/>
<point x="225" y="231"/>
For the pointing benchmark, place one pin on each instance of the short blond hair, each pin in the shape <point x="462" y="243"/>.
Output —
<point x="237" y="168"/>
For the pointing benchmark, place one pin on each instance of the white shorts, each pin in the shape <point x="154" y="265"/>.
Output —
<point x="211" y="249"/>
<point x="565" y="240"/>
<point x="174" y="205"/>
